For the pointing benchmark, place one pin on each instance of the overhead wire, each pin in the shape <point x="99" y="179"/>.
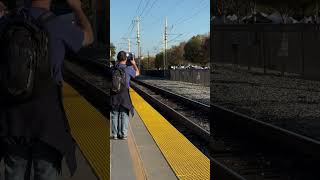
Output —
<point x="152" y="5"/>
<point x="169" y="10"/>
<point x="182" y="18"/>
<point x="143" y="10"/>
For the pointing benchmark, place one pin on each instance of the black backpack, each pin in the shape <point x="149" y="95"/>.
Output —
<point x="118" y="79"/>
<point x="25" y="69"/>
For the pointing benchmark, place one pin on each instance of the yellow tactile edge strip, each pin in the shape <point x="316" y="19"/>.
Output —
<point x="185" y="159"/>
<point x="90" y="129"/>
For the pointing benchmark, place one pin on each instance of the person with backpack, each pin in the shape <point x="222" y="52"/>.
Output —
<point x="34" y="131"/>
<point x="125" y="69"/>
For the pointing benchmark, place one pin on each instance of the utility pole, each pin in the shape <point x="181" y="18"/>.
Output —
<point x="165" y="39"/>
<point x="137" y="21"/>
<point x="166" y="42"/>
<point x="164" y="59"/>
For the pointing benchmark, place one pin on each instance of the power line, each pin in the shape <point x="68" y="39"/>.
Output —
<point x="150" y="8"/>
<point x="175" y="38"/>
<point x="131" y="29"/>
<point x="146" y="5"/>
<point x="194" y="11"/>
<point x="128" y="32"/>
<point x="191" y="17"/>
<point x="199" y="10"/>
<point x="167" y="12"/>
<point x="138" y="7"/>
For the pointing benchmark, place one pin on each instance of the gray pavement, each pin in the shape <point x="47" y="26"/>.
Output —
<point x="138" y="157"/>
<point x="156" y="166"/>
<point x="121" y="161"/>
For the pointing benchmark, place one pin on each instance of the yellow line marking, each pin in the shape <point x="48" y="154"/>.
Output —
<point x="185" y="159"/>
<point x="90" y="129"/>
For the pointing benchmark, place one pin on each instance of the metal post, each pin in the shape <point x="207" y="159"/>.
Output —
<point x="138" y="40"/>
<point x="164" y="60"/>
<point x="165" y="44"/>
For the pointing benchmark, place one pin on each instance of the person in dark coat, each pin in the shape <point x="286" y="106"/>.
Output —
<point x="36" y="133"/>
<point x="121" y="102"/>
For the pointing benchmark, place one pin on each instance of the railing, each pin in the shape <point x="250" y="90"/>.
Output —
<point x="197" y="76"/>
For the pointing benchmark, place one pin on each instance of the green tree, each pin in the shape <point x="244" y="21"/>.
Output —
<point x="194" y="50"/>
<point x="175" y="55"/>
<point x="206" y="49"/>
<point x="159" y="60"/>
<point x="148" y="63"/>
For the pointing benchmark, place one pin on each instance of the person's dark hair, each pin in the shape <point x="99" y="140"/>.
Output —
<point x="122" y="56"/>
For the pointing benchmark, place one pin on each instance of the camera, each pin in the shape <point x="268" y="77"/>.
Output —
<point x="130" y="57"/>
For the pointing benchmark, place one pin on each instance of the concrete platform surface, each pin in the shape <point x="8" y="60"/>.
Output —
<point x="155" y="165"/>
<point x="121" y="163"/>
<point x="138" y="157"/>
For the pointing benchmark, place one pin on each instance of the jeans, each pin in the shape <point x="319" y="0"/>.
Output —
<point x="119" y="122"/>
<point x="21" y="156"/>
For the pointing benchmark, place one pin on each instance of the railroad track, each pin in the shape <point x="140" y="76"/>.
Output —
<point x="96" y="92"/>
<point x="246" y="148"/>
<point x="189" y="117"/>
<point x="243" y="148"/>
<point x="191" y="113"/>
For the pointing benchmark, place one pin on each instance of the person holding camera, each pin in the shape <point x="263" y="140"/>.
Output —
<point x="125" y="69"/>
<point x="36" y="133"/>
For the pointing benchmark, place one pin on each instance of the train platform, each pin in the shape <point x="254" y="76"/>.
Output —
<point x="155" y="149"/>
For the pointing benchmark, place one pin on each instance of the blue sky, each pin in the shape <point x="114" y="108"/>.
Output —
<point x="186" y="18"/>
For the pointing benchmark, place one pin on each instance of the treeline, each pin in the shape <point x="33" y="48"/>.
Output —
<point x="195" y="51"/>
<point x="241" y="8"/>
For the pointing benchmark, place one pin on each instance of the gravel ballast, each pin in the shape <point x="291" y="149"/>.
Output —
<point x="288" y="102"/>
<point x="193" y="91"/>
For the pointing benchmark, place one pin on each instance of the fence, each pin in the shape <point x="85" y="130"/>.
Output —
<point x="197" y="76"/>
<point x="156" y="73"/>
<point x="292" y="48"/>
